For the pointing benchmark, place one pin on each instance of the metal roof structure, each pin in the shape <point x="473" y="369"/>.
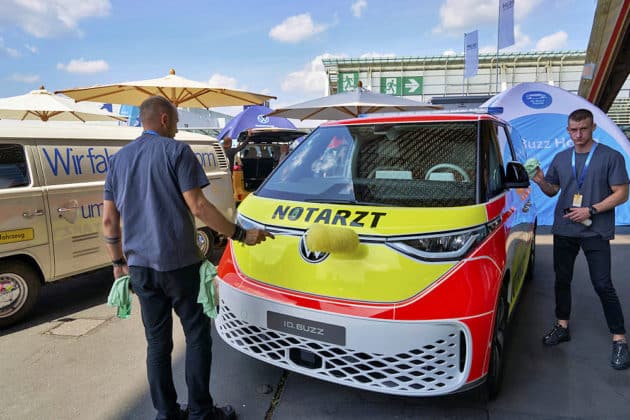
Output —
<point x="608" y="54"/>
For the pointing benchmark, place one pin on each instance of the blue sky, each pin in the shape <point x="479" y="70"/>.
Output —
<point x="273" y="47"/>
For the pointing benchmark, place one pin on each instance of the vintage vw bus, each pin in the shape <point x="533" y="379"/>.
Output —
<point x="441" y="207"/>
<point x="51" y="198"/>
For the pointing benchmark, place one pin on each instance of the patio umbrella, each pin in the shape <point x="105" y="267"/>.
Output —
<point x="349" y="105"/>
<point x="180" y="91"/>
<point x="43" y="105"/>
<point x="253" y="117"/>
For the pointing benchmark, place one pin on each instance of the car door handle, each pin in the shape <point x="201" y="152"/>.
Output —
<point x="66" y="209"/>
<point x="33" y="212"/>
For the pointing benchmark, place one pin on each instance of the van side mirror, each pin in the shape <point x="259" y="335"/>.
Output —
<point x="516" y="176"/>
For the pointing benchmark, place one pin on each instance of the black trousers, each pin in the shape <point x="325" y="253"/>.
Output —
<point x="597" y="252"/>
<point x="160" y="293"/>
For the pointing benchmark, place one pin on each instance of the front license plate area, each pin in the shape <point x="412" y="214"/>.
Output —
<point x="319" y="331"/>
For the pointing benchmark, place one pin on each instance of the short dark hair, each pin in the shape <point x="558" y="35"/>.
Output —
<point x="581" y="115"/>
<point x="154" y="105"/>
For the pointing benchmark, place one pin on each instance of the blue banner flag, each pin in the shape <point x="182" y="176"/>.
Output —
<point x="471" y="53"/>
<point x="506" y="23"/>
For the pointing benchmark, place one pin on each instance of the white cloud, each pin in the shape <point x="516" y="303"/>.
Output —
<point x="449" y="53"/>
<point x="312" y="78"/>
<point x="296" y="28"/>
<point x="4" y="50"/>
<point x="33" y="49"/>
<point x="24" y="78"/>
<point x="48" y="18"/>
<point x="555" y="41"/>
<point x="459" y="16"/>
<point x="82" y="66"/>
<point x="222" y="81"/>
<point x="357" y="7"/>
<point x="522" y="42"/>
<point x="488" y="49"/>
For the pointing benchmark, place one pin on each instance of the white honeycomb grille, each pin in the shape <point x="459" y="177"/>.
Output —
<point x="432" y="368"/>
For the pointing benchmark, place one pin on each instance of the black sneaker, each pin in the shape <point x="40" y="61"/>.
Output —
<point x="223" y="413"/>
<point x="556" y="336"/>
<point x="620" y="356"/>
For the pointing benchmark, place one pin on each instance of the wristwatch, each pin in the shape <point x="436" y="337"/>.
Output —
<point x="592" y="210"/>
<point x="119" y="262"/>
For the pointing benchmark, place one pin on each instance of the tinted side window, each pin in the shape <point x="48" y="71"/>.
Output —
<point x="13" y="168"/>
<point x="492" y="163"/>
<point x="520" y="153"/>
<point x="507" y="151"/>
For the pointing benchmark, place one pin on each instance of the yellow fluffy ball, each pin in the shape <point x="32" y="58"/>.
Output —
<point x="324" y="238"/>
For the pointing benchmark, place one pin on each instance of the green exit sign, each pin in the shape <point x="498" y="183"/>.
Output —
<point x="402" y="86"/>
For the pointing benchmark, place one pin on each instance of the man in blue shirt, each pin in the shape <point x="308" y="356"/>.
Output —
<point x="592" y="181"/>
<point x="153" y="188"/>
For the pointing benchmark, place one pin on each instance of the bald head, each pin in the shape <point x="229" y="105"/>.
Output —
<point x="159" y="114"/>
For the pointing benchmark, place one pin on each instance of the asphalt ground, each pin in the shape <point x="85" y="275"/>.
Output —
<point x="73" y="359"/>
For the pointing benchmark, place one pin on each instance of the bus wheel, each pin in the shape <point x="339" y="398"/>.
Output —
<point x="19" y="288"/>
<point x="497" y="350"/>
<point x="205" y="241"/>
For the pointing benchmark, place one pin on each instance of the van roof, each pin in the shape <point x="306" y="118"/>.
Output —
<point x="47" y="130"/>
<point x="404" y="117"/>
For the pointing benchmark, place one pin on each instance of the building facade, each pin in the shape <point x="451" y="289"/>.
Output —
<point x="440" y="79"/>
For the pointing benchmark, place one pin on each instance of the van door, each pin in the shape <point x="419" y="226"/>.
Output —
<point x="23" y="228"/>
<point x="521" y="223"/>
<point x="75" y="176"/>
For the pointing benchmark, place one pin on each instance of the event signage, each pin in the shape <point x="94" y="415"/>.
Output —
<point x="402" y="85"/>
<point x="537" y="99"/>
<point x="348" y="81"/>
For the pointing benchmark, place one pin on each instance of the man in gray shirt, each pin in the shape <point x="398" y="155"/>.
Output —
<point x="153" y="188"/>
<point x="592" y="181"/>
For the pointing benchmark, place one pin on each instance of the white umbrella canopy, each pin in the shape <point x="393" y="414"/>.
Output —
<point x="180" y="91"/>
<point x="349" y="105"/>
<point x="42" y="105"/>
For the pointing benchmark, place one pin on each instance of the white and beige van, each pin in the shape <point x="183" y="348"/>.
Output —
<point x="51" y="200"/>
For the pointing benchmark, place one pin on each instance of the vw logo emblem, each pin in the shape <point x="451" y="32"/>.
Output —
<point x="263" y="119"/>
<point x="311" y="256"/>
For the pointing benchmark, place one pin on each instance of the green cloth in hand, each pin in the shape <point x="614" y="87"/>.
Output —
<point x="530" y="166"/>
<point x="207" y="296"/>
<point x="120" y="296"/>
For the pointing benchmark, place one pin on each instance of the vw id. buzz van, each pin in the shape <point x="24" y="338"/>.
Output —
<point x="51" y="199"/>
<point x="441" y="207"/>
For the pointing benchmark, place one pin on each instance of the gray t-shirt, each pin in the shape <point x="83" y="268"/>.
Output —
<point x="146" y="179"/>
<point x="607" y="168"/>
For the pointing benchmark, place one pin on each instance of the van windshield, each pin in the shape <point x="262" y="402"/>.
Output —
<point x="401" y="164"/>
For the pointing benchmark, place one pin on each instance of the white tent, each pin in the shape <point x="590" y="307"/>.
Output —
<point x="539" y="113"/>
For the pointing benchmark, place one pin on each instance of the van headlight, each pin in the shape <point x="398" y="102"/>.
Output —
<point x="448" y="246"/>
<point x="246" y="223"/>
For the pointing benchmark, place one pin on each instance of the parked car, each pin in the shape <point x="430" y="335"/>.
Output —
<point x="266" y="147"/>
<point x="440" y="205"/>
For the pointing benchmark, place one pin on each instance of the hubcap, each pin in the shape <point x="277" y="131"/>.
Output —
<point x="13" y="293"/>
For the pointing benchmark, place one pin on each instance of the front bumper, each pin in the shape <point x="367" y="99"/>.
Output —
<point x="412" y="358"/>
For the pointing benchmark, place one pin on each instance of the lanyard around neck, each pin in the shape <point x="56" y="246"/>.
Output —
<point x="580" y="181"/>
<point x="151" y="132"/>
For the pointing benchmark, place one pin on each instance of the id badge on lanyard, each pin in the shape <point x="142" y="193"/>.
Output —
<point x="577" y="197"/>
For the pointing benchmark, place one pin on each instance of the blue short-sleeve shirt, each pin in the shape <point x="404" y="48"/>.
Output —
<point x="607" y="168"/>
<point x="146" y="179"/>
